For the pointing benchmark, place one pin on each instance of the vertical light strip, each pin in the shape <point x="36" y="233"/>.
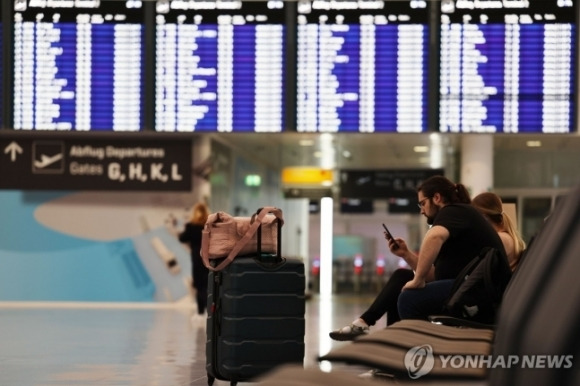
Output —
<point x="325" y="315"/>
<point x="326" y="209"/>
<point x="325" y="312"/>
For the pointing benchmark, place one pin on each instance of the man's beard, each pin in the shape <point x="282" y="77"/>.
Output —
<point x="431" y="219"/>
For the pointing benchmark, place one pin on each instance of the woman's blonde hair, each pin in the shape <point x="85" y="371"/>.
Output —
<point x="199" y="214"/>
<point x="491" y="206"/>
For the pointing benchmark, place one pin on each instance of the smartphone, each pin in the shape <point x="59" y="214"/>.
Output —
<point x="390" y="236"/>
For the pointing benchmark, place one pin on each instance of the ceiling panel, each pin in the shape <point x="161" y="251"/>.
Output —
<point x="370" y="151"/>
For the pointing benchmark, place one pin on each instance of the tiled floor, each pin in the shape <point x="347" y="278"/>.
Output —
<point x="133" y="344"/>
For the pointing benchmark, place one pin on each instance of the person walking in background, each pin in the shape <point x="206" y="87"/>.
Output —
<point x="490" y="205"/>
<point x="191" y="235"/>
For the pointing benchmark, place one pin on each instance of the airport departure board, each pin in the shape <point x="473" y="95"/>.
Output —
<point x="507" y="66"/>
<point x="220" y="66"/>
<point x="362" y="66"/>
<point x="78" y="65"/>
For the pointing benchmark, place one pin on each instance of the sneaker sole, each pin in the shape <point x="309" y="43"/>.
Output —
<point x="343" y="337"/>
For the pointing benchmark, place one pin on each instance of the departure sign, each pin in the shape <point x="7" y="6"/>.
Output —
<point x="220" y="66"/>
<point x="78" y="65"/>
<point x="362" y="66"/>
<point x="381" y="184"/>
<point x="73" y="161"/>
<point x="507" y="66"/>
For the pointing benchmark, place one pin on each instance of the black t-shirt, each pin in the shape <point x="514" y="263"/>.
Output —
<point x="469" y="232"/>
<point x="192" y="235"/>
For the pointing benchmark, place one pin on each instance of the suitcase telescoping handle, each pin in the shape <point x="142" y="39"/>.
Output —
<point x="275" y="211"/>
<point x="279" y="261"/>
<point x="256" y="223"/>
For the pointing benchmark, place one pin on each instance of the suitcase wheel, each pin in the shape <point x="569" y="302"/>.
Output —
<point x="211" y="380"/>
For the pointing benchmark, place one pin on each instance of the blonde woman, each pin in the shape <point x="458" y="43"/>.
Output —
<point x="491" y="206"/>
<point x="192" y="235"/>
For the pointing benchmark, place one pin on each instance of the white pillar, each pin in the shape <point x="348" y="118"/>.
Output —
<point x="326" y="233"/>
<point x="477" y="163"/>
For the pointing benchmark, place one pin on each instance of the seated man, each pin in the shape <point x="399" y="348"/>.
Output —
<point x="457" y="235"/>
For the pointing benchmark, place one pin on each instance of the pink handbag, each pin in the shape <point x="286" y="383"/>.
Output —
<point x="225" y="236"/>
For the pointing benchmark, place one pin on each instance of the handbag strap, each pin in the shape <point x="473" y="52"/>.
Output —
<point x="241" y="243"/>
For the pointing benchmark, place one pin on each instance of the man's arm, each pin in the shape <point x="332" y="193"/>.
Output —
<point x="430" y="248"/>
<point x="403" y="252"/>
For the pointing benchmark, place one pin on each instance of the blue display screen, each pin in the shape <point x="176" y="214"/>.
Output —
<point x="362" y="66"/>
<point x="220" y="66"/>
<point x="509" y="69"/>
<point x="79" y="68"/>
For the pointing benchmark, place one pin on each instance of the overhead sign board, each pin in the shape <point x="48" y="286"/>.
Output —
<point x="94" y="163"/>
<point x="382" y="184"/>
<point x="300" y="175"/>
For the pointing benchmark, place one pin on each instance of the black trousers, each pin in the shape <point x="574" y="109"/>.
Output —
<point x="386" y="300"/>
<point x="200" y="277"/>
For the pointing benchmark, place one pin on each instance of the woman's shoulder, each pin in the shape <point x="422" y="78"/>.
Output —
<point x="508" y="243"/>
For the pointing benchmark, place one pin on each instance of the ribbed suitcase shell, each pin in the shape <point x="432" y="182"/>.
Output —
<point x="256" y="317"/>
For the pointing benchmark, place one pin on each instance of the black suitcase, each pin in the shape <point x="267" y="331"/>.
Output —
<point x="255" y="321"/>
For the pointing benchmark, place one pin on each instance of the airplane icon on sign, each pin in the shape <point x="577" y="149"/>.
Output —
<point x="48" y="157"/>
<point x="47" y="160"/>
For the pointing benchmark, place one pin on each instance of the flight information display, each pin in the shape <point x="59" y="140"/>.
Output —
<point x="507" y="66"/>
<point x="362" y="66"/>
<point x="220" y="66"/>
<point x="78" y="65"/>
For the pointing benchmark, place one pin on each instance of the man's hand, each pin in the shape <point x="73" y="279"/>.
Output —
<point x="403" y="252"/>
<point x="414" y="284"/>
<point x="400" y="250"/>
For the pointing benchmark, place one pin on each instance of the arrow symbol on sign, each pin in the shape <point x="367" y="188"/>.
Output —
<point x="13" y="149"/>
